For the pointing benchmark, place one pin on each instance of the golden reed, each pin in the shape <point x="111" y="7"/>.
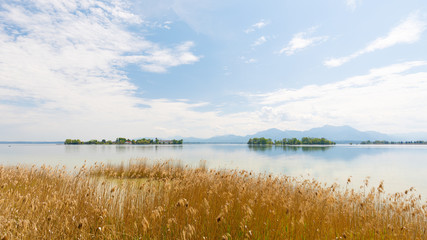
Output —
<point x="169" y="201"/>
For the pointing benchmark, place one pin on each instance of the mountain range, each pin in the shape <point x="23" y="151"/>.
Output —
<point x="339" y="134"/>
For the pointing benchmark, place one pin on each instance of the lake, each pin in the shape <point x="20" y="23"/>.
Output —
<point x="400" y="166"/>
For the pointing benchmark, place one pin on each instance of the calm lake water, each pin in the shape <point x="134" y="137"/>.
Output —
<point x="401" y="167"/>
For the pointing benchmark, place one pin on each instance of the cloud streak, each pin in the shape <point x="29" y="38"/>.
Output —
<point x="407" y="32"/>
<point x="261" y="40"/>
<point x="261" y="24"/>
<point x="301" y="41"/>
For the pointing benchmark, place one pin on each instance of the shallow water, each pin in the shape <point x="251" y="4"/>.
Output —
<point x="400" y="166"/>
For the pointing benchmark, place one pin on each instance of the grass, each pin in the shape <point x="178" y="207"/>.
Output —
<point x="168" y="201"/>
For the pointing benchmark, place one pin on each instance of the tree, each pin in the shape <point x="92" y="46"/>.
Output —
<point x="260" y="141"/>
<point x="73" y="141"/>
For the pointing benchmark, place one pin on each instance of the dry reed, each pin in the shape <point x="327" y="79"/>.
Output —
<point x="167" y="201"/>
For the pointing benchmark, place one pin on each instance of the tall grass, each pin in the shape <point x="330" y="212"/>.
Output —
<point x="168" y="201"/>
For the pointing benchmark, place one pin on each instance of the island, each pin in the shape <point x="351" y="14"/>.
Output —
<point x="142" y="141"/>
<point x="291" y="141"/>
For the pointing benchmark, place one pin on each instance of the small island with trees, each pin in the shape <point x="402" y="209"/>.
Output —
<point x="291" y="141"/>
<point x="142" y="141"/>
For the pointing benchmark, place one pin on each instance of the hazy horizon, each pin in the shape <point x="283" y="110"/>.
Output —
<point x="86" y="69"/>
<point x="410" y="136"/>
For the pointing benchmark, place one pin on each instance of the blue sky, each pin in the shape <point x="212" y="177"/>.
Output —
<point x="103" y="69"/>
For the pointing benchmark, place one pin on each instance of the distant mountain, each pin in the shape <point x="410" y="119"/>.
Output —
<point x="345" y="134"/>
<point x="339" y="134"/>
<point x="272" y="133"/>
<point x="217" y="139"/>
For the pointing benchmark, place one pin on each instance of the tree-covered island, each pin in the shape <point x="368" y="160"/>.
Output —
<point x="123" y="141"/>
<point x="291" y="141"/>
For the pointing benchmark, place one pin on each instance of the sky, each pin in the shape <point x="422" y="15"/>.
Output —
<point x="99" y="69"/>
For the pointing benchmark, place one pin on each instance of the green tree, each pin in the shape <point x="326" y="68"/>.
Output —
<point x="260" y="141"/>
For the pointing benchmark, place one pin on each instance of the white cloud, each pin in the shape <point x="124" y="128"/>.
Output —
<point x="248" y="60"/>
<point x="352" y="3"/>
<point x="159" y="60"/>
<point x="261" y="40"/>
<point x="262" y="23"/>
<point x="301" y="41"/>
<point x="408" y="31"/>
<point x="160" y="25"/>
<point x="76" y="29"/>
<point x="61" y="71"/>
<point x="251" y="60"/>
<point x="387" y="99"/>
<point x="166" y="25"/>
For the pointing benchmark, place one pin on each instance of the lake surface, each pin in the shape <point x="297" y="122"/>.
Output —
<point x="400" y="166"/>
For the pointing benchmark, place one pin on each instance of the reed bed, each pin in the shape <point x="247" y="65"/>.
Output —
<point x="170" y="201"/>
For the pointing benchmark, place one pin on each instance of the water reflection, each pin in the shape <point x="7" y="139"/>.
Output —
<point x="72" y="148"/>
<point x="285" y="148"/>
<point x="399" y="166"/>
<point x="306" y="148"/>
<point x="261" y="148"/>
<point x="328" y="153"/>
<point x="121" y="148"/>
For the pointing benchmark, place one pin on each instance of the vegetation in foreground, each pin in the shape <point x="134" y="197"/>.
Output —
<point x="291" y="141"/>
<point x="166" y="201"/>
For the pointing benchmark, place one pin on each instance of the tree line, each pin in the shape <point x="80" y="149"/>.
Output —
<point x="291" y="141"/>
<point x="124" y="141"/>
<point x="391" y="142"/>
